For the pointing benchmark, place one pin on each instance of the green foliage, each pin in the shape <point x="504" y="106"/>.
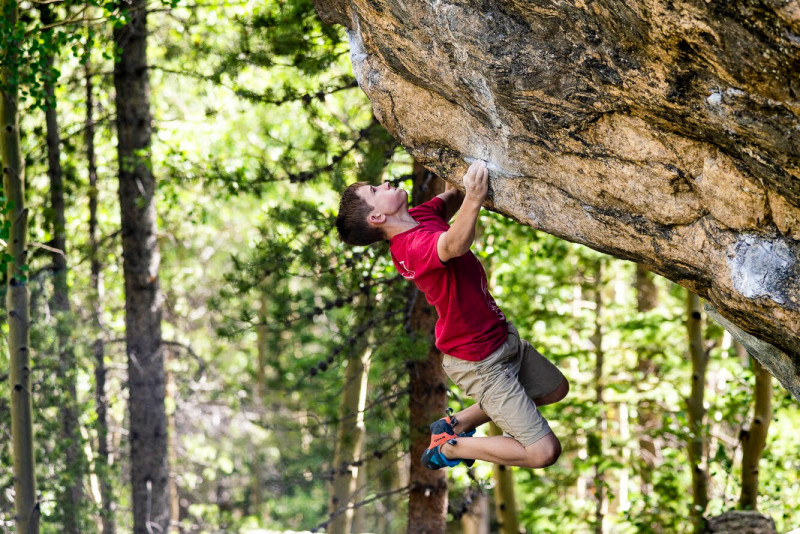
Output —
<point x="257" y="127"/>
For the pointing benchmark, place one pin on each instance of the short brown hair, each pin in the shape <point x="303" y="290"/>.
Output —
<point x="352" y="224"/>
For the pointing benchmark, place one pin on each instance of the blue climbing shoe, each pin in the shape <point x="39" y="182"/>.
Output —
<point x="433" y="458"/>
<point x="442" y="432"/>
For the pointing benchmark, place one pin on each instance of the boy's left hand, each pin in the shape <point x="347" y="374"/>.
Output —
<point x="476" y="181"/>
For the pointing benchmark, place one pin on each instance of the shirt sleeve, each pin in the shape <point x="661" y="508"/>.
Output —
<point x="435" y="207"/>
<point x="420" y="255"/>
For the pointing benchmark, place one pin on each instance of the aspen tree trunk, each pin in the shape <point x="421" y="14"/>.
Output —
<point x="476" y="518"/>
<point x="349" y="441"/>
<point x="72" y="498"/>
<point x="360" y="513"/>
<point x="393" y="477"/>
<point x="622" y="501"/>
<point x="427" y="505"/>
<point x="256" y="495"/>
<point x="597" y="441"/>
<point x="505" y="501"/>
<point x="696" y="412"/>
<point x="148" y="424"/>
<point x="17" y="296"/>
<point x="741" y="353"/>
<point x="102" y="461"/>
<point x="646" y="300"/>
<point x="583" y="439"/>
<point x="359" y="523"/>
<point x="172" y="440"/>
<point x="755" y="438"/>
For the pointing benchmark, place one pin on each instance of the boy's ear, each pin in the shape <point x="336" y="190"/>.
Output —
<point x="377" y="217"/>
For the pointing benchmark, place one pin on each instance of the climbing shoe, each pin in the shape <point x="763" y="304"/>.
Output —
<point x="433" y="458"/>
<point x="442" y="432"/>
<point x="452" y="421"/>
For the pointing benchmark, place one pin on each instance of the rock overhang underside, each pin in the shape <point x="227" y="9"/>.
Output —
<point x="665" y="133"/>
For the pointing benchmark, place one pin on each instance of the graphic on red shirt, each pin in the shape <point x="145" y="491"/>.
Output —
<point x="470" y="325"/>
<point x="407" y="273"/>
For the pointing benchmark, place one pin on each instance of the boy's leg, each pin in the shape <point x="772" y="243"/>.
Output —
<point x="509" y="384"/>
<point x="506" y="451"/>
<point x="472" y="417"/>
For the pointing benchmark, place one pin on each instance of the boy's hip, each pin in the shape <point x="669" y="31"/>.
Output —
<point x="515" y="358"/>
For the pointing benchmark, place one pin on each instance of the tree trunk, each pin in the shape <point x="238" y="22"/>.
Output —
<point x="476" y="518"/>
<point x="17" y="297"/>
<point x="148" y="425"/>
<point x="393" y="477"/>
<point x="349" y="442"/>
<point x="646" y="300"/>
<point x="102" y="463"/>
<point x="646" y="290"/>
<point x="360" y="515"/>
<point x="596" y="440"/>
<point x="755" y="438"/>
<point x="256" y="482"/>
<point x="696" y="412"/>
<point x="505" y="501"/>
<point x="72" y="497"/>
<point x="427" y="505"/>
<point x="622" y="501"/>
<point x="172" y="440"/>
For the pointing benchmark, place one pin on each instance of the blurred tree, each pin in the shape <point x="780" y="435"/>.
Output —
<point x="15" y="233"/>
<point x="696" y="411"/>
<point x="71" y="496"/>
<point x="347" y="464"/>
<point x="505" y="502"/>
<point x="427" y="505"/>
<point x="754" y="438"/>
<point x="596" y="450"/>
<point x="148" y="425"/>
<point x="102" y="464"/>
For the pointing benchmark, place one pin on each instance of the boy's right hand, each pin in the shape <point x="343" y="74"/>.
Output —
<point x="476" y="182"/>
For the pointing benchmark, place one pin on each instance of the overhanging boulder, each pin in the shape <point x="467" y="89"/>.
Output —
<point x="662" y="132"/>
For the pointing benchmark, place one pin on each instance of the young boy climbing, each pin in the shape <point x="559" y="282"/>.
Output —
<point x="483" y="353"/>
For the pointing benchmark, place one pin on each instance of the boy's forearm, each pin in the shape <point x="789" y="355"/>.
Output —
<point x="453" y="198"/>
<point x="463" y="228"/>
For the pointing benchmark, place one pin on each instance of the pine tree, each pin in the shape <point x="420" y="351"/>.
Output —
<point x="72" y="495"/>
<point x="148" y="425"/>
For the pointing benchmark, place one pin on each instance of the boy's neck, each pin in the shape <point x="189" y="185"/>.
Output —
<point x="398" y="223"/>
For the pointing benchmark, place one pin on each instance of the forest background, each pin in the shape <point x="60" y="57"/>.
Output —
<point x="269" y="324"/>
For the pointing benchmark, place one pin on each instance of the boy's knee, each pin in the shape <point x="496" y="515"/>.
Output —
<point x="562" y="390"/>
<point x="544" y="452"/>
<point x="554" y="396"/>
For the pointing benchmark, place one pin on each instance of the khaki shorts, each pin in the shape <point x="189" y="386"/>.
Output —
<point x="505" y="383"/>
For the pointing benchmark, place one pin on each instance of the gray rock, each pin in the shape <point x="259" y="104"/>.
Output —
<point x="666" y="133"/>
<point x="740" y="522"/>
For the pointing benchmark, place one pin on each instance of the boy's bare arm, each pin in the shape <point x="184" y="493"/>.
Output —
<point x="453" y="198"/>
<point x="456" y="241"/>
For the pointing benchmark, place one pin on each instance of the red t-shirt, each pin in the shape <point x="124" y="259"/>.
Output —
<point x="470" y="324"/>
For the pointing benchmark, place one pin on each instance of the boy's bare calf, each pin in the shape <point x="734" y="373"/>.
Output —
<point x="502" y="449"/>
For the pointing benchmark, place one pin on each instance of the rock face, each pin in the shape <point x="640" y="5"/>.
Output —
<point x="666" y="132"/>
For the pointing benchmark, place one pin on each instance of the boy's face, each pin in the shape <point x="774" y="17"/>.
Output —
<point x="384" y="200"/>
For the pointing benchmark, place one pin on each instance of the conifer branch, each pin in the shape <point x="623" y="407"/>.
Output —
<point x="259" y="97"/>
<point x="354" y="506"/>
